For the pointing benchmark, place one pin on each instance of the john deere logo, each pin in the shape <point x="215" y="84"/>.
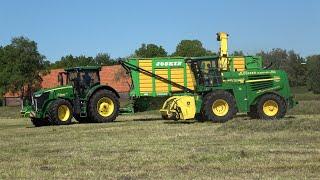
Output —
<point x="168" y="63"/>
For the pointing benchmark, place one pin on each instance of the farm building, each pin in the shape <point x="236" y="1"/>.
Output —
<point x="114" y="76"/>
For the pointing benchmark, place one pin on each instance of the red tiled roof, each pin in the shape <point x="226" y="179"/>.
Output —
<point x="51" y="80"/>
<point x="113" y="76"/>
<point x="116" y="77"/>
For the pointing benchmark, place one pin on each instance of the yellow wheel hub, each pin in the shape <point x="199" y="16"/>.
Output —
<point x="105" y="107"/>
<point x="63" y="113"/>
<point x="270" y="108"/>
<point x="220" y="107"/>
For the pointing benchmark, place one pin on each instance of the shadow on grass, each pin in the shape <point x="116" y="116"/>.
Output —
<point x="181" y="122"/>
<point x="147" y="119"/>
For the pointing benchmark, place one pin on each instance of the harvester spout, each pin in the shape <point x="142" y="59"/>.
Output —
<point x="223" y="51"/>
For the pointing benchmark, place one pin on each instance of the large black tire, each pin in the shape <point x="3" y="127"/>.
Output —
<point x="81" y="119"/>
<point x="273" y="113"/>
<point x="253" y="114"/>
<point x="40" y="122"/>
<point x="60" y="112"/>
<point x="94" y="115"/>
<point x="215" y="98"/>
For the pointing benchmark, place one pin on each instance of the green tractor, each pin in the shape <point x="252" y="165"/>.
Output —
<point x="80" y="95"/>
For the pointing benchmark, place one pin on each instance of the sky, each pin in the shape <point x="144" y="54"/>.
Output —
<point x="118" y="27"/>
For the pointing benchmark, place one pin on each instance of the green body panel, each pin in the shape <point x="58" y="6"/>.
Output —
<point x="246" y="86"/>
<point x="49" y="95"/>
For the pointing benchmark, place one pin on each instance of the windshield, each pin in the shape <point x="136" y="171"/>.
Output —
<point x="87" y="78"/>
<point x="207" y="72"/>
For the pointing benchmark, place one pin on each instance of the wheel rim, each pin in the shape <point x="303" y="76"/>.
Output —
<point x="220" y="107"/>
<point x="63" y="113"/>
<point x="105" y="107"/>
<point x="270" y="108"/>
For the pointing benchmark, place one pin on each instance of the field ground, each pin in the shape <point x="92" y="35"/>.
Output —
<point x="143" y="146"/>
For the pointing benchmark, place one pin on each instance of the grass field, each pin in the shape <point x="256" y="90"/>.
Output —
<point x="143" y="146"/>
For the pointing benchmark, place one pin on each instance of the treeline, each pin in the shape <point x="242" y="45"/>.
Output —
<point x="21" y="64"/>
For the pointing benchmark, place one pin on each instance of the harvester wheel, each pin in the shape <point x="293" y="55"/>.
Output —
<point x="40" y="122"/>
<point x="219" y="106"/>
<point x="271" y="106"/>
<point x="103" y="107"/>
<point x="60" y="112"/>
<point x="253" y="112"/>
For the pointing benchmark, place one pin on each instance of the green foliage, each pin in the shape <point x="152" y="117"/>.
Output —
<point x="103" y="59"/>
<point x="191" y="48"/>
<point x="288" y="61"/>
<point x="150" y="51"/>
<point x="313" y="74"/>
<point x="237" y="53"/>
<point x="74" y="61"/>
<point x="20" y="66"/>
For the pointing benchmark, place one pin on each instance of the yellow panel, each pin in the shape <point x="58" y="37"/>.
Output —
<point x="238" y="63"/>
<point x="146" y="85"/>
<point x="145" y="89"/>
<point x="145" y="61"/>
<point x="176" y="76"/>
<point x="145" y="80"/>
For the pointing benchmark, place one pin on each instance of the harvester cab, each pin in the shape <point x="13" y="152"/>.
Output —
<point x="79" y="95"/>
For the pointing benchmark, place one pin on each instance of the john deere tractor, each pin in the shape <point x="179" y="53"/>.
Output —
<point x="80" y="95"/>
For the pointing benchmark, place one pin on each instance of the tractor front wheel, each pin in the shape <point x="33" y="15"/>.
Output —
<point x="103" y="107"/>
<point x="60" y="112"/>
<point x="219" y="106"/>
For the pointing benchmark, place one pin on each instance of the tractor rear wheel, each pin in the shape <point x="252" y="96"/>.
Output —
<point x="60" y="112"/>
<point x="219" y="106"/>
<point x="103" y="107"/>
<point x="271" y="106"/>
<point x="40" y="122"/>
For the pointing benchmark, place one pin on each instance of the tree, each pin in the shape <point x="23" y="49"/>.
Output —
<point x="21" y="66"/>
<point x="150" y="51"/>
<point x="277" y="57"/>
<point x="237" y="53"/>
<point x="313" y="73"/>
<point x="75" y="61"/>
<point x="296" y="71"/>
<point x="288" y="61"/>
<point x="103" y="59"/>
<point x="191" y="48"/>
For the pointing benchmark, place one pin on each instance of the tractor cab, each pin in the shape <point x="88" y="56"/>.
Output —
<point x="81" y="78"/>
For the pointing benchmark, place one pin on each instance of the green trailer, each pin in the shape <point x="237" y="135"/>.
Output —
<point x="212" y="88"/>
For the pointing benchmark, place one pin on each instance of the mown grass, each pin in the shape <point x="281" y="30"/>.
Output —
<point x="141" y="146"/>
<point x="146" y="147"/>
